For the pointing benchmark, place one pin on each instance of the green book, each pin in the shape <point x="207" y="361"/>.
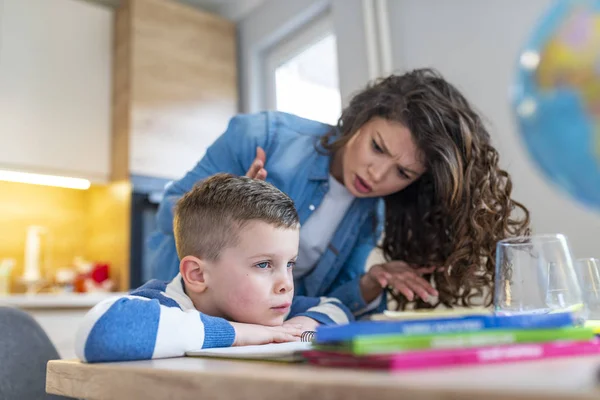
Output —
<point x="362" y="345"/>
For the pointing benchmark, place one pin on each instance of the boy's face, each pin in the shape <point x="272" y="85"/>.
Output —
<point x="252" y="282"/>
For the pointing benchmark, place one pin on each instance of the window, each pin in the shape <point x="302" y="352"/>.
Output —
<point x="302" y="74"/>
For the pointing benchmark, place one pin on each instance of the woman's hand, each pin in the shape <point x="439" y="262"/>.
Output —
<point x="401" y="277"/>
<point x="257" y="168"/>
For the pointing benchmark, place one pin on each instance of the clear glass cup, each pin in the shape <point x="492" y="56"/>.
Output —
<point x="588" y="272"/>
<point x="536" y="274"/>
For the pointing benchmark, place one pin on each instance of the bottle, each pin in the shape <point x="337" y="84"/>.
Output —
<point x="32" y="273"/>
<point x="6" y="267"/>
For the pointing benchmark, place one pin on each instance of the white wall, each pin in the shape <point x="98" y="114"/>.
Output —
<point x="475" y="44"/>
<point x="349" y="24"/>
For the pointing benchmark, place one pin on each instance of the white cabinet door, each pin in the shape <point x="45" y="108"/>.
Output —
<point x="61" y="327"/>
<point x="55" y="87"/>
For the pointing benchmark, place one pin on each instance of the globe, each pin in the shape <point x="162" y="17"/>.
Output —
<point x="556" y="97"/>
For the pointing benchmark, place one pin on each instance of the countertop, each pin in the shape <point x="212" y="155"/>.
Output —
<point x="58" y="300"/>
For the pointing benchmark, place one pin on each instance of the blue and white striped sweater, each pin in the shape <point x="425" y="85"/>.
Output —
<point x="159" y="320"/>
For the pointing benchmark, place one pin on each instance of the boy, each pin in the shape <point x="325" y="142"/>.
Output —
<point x="237" y="240"/>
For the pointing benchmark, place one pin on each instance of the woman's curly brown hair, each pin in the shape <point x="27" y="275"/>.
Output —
<point x="461" y="207"/>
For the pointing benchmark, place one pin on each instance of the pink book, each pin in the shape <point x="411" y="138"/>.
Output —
<point x="466" y="356"/>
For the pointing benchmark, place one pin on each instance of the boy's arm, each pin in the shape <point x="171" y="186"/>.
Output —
<point x="138" y="328"/>
<point x="324" y="310"/>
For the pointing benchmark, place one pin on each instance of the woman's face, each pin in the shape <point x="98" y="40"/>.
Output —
<point x="380" y="159"/>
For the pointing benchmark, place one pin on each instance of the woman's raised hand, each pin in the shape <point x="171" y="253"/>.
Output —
<point x="257" y="168"/>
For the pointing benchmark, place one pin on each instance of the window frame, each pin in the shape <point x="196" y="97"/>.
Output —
<point x="290" y="46"/>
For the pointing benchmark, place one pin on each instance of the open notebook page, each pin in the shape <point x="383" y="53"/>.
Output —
<point x="274" y="351"/>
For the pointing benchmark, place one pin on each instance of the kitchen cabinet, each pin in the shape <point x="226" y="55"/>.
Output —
<point x="175" y="85"/>
<point x="55" y="87"/>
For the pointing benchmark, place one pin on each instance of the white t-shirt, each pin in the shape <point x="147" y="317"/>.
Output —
<point x="319" y="228"/>
<point x="317" y="231"/>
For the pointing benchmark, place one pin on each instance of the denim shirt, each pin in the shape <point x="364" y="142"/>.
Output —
<point x="294" y="166"/>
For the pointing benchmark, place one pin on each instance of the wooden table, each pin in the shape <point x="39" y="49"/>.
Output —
<point x="203" y="378"/>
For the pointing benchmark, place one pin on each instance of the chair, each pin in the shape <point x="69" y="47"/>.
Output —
<point x="25" y="349"/>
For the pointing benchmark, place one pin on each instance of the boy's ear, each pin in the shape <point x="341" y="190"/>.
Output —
<point x="193" y="271"/>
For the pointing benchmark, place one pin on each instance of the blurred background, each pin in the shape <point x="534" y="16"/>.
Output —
<point x="102" y="103"/>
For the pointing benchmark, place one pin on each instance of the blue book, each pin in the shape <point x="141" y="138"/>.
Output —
<point x="469" y="323"/>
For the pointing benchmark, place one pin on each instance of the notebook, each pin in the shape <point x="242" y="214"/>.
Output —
<point x="454" y="357"/>
<point x="388" y="315"/>
<point x="378" y="344"/>
<point x="291" y="351"/>
<point x="593" y="324"/>
<point x="444" y="325"/>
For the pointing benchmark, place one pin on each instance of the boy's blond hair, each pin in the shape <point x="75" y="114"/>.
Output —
<point x="209" y="217"/>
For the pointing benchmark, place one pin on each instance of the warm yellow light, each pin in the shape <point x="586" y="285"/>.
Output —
<point x="46" y="180"/>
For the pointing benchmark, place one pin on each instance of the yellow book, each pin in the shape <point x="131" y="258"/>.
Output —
<point x="594" y="324"/>
<point x="422" y="314"/>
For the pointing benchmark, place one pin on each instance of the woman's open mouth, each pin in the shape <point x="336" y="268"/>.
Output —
<point x="361" y="185"/>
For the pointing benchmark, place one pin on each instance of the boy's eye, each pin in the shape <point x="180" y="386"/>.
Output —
<point x="291" y="264"/>
<point x="263" y="265"/>
<point x="376" y="147"/>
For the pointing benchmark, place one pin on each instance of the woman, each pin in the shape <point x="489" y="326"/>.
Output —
<point x="411" y="143"/>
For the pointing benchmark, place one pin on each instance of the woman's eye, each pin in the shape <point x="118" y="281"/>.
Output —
<point x="263" y="265"/>
<point x="376" y="146"/>
<point x="403" y="174"/>
<point x="291" y="264"/>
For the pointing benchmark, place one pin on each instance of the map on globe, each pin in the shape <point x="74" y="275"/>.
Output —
<point x="557" y="97"/>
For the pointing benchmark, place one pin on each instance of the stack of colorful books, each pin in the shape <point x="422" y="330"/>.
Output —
<point x="462" y="340"/>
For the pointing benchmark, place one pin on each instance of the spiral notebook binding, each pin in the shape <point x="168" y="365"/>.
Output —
<point x="307" y="336"/>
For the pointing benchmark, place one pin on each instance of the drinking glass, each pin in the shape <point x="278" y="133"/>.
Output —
<point x="588" y="272"/>
<point x="536" y="274"/>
